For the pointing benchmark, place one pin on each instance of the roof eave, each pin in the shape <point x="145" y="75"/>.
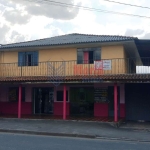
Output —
<point x="65" y="45"/>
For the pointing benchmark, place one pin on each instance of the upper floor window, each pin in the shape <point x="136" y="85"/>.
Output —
<point x="88" y="55"/>
<point x="28" y="58"/>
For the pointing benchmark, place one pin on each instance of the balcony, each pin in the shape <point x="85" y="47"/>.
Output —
<point x="110" y="69"/>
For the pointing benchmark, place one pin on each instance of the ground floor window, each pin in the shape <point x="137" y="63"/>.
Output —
<point x="13" y="94"/>
<point x="82" y="101"/>
<point x="60" y="96"/>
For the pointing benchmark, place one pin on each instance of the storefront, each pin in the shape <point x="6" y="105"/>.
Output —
<point x="93" y="100"/>
<point x="97" y="100"/>
<point x="82" y="101"/>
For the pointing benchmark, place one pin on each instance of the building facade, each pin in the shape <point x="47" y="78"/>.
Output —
<point x="72" y="75"/>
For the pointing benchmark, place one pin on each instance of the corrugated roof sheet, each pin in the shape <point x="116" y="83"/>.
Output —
<point x="69" y="39"/>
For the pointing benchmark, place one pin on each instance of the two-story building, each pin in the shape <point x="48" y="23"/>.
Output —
<point x="71" y="75"/>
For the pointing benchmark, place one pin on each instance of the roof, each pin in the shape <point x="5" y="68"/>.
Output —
<point x="118" y="77"/>
<point x="143" y="47"/>
<point x="69" y="39"/>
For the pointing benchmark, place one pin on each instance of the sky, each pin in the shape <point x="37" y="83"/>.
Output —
<point x="24" y="20"/>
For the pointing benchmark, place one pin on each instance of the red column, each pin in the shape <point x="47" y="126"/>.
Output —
<point x="115" y="103"/>
<point x="64" y="103"/>
<point x="19" y="101"/>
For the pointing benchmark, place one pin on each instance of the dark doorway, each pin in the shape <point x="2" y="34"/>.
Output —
<point x="43" y="100"/>
<point x="111" y="100"/>
<point x="137" y="101"/>
<point x="82" y="101"/>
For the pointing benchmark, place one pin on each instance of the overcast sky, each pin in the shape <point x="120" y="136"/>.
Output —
<point x="25" y="20"/>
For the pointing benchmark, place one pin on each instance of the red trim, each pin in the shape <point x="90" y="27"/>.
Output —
<point x="115" y="103"/>
<point x="58" y="109"/>
<point x="86" y="57"/>
<point x="122" y="111"/>
<point x="11" y="108"/>
<point x="19" y="101"/>
<point x="64" y="103"/>
<point x="101" y="109"/>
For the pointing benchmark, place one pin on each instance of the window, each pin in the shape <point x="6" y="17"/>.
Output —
<point x="28" y="58"/>
<point x="14" y="94"/>
<point x="88" y="55"/>
<point x="60" y="96"/>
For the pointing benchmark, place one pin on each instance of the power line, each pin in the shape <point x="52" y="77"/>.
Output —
<point x="145" y="7"/>
<point x="84" y="8"/>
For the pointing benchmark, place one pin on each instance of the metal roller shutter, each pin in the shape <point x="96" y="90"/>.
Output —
<point x="137" y="101"/>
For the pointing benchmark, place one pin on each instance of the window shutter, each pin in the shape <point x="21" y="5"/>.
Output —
<point x="35" y="58"/>
<point x="20" y="58"/>
<point x="32" y="58"/>
<point x="79" y="57"/>
<point x="97" y="54"/>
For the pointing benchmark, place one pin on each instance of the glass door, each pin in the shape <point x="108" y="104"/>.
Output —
<point x="43" y="100"/>
<point x="37" y="96"/>
<point x="47" y="100"/>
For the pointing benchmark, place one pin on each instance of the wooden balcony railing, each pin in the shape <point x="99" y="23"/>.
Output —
<point x="74" y="68"/>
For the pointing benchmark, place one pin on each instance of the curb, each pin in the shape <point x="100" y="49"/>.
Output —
<point x="47" y="133"/>
<point x="136" y="129"/>
<point x="72" y="135"/>
<point x="122" y="139"/>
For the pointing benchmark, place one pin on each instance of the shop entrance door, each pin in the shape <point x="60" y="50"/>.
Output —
<point x="43" y="100"/>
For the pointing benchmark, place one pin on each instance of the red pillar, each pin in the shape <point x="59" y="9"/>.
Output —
<point x="19" y="101"/>
<point x="115" y="103"/>
<point x="64" y="103"/>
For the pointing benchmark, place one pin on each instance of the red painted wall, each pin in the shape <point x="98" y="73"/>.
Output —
<point x="58" y="108"/>
<point x="12" y="108"/>
<point x="101" y="109"/>
<point x="122" y="110"/>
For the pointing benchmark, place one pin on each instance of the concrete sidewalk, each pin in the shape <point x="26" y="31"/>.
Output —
<point x="73" y="129"/>
<point x="133" y="125"/>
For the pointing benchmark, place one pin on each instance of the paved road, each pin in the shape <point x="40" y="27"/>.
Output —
<point x="32" y="142"/>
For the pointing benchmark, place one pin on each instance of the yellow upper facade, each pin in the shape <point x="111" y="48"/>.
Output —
<point x="63" y="54"/>
<point x="57" y="60"/>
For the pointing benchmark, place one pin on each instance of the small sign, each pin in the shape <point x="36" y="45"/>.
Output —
<point x="100" y="95"/>
<point x="98" y="65"/>
<point x="102" y="65"/>
<point x="106" y="64"/>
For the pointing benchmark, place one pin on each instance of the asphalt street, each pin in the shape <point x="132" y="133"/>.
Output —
<point x="34" y="142"/>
